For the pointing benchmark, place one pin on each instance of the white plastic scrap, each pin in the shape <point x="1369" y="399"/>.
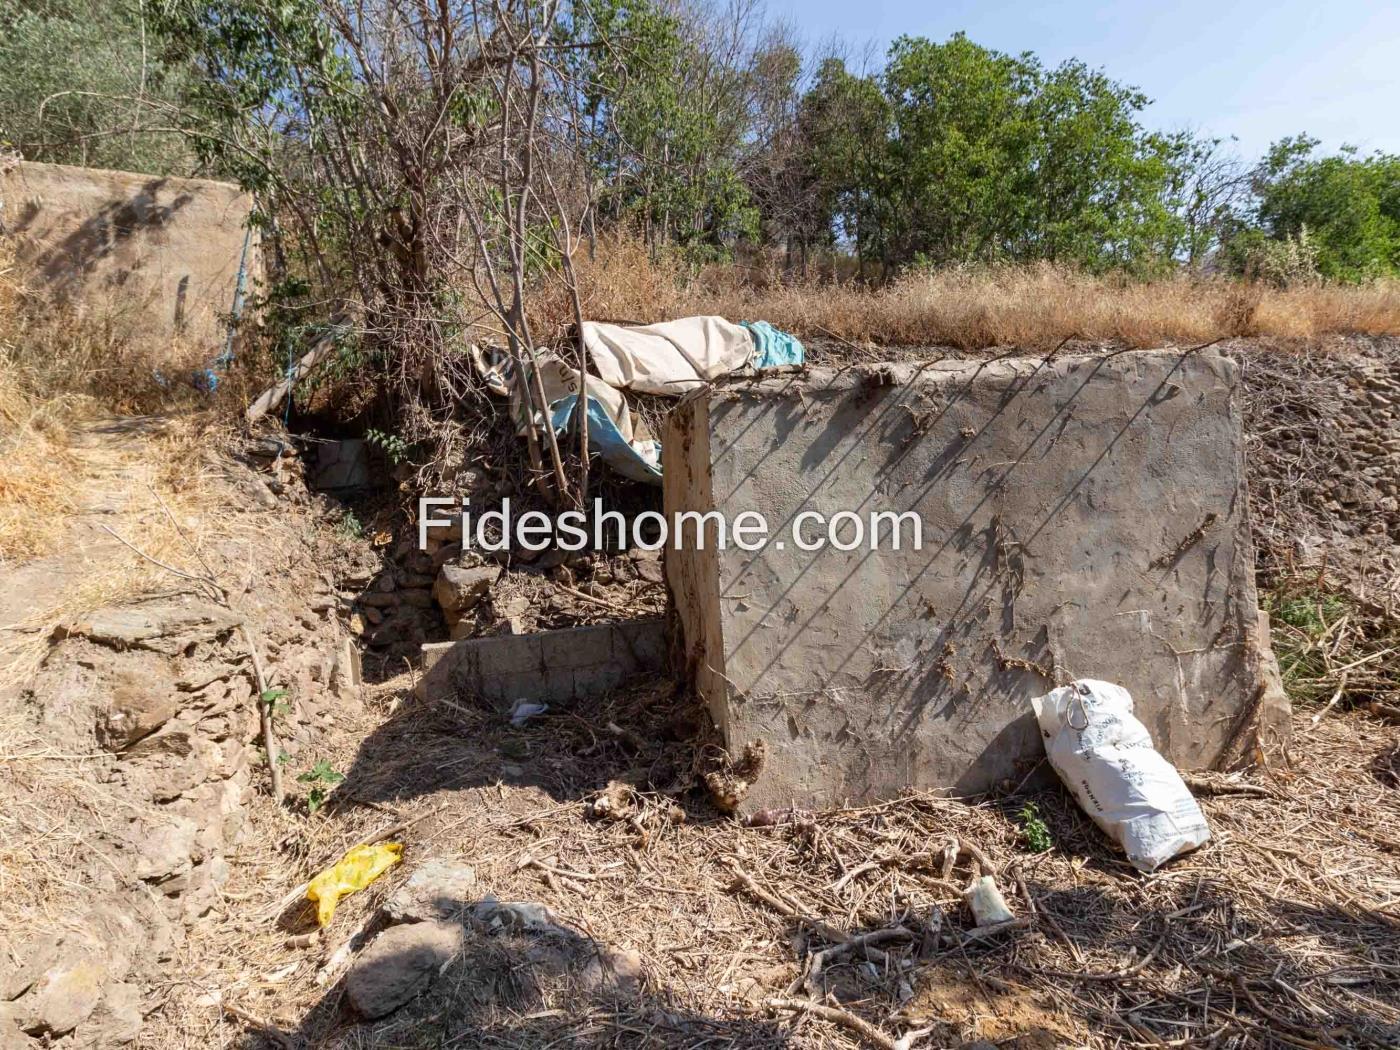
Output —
<point x="523" y="711"/>
<point x="1106" y="758"/>
<point x="988" y="905"/>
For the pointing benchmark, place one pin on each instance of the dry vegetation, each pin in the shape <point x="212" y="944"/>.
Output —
<point x="1030" y="306"/>
<point x="1280" y="933"/>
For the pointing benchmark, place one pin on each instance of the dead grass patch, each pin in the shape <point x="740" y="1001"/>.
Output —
<point x="1032" y="306"/>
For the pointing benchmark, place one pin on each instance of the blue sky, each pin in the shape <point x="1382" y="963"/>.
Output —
<point x="1247" y="68"/>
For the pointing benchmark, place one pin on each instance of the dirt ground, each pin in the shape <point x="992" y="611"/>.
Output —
<point x="1283" y="931"/>
<point x="669" y="922"/>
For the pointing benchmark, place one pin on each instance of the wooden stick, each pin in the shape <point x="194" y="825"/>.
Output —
<point x="267" y="1028"/>
<point x="273" y="395"/>
<point x="849" y="1021"/>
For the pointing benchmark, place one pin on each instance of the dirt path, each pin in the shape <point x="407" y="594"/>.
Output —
<point x="113" y="458"/>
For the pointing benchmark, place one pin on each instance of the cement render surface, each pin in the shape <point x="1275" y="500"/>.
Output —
<point x="157" y="255"/>
<point x="1085" y="517"/>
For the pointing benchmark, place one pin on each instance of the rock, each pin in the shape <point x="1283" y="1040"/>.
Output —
<point x="21" y="966"/>
<point x="399" y="964"/>
<point x="458" y="589"/>
<point x="165" y="626"/>
<point x="11" y="1037"/>
<point x="445" y="554"/>
<point x="63" y="998"/>
<point x="437" y="889"/>
<point x="346" y="673"/>
<point x="165" y="850"/>
<point x="116" y="1021"/>
<point x="617" y="971"/>
<point x="648" y="564"/>
<point x="379" y="600"/>
<point x="138" y="708"/>
<point x="516" y="915"/>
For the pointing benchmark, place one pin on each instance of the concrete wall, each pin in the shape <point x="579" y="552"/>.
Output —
<point x="158" y="254"/>
<point x="548" y="666"/>
<point x="1081" y="518"/>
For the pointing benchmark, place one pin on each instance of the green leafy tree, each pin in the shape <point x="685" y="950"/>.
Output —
<point x="959" y="154"/>
<point x="843" y="130"/>
<point x="668" y="112"/>
<point x="84" y="82"/>
<point x="1346" y="207"/>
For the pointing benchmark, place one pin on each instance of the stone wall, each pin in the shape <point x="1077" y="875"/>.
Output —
<point x="159" y="255"/>
<point x="1083" y="517"/>
<point x="549" y="666"/>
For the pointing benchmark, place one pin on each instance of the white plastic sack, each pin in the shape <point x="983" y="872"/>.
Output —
<point x="1106" y="758"/>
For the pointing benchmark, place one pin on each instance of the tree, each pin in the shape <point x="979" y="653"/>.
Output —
<point x="960" y="154"/>
<point x="1208" y="190"/>
<point x="670" y="109"/>
<point x="1348" y="204"/>
<point x="83" y="82"/>
<point x="843" y="132"/>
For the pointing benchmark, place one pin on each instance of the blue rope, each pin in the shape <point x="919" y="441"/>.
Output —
<point x="291" y="380"/>
<point x="208" y="380"/>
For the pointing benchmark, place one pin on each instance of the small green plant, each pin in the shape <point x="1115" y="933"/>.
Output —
<point x="1311" y="613"/>
<point x="322" y="777"/>
<point x="1301" y="620"/>
<point x="1034" y="830"/>
<point x="275" y="699"/>
<point x="350" y="527"/>
<point x="393" y="446"/>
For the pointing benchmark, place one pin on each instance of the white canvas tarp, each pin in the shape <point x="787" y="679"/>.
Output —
<point x="667" y="358"/>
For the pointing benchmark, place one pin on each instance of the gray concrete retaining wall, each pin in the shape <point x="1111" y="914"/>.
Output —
<point x="548" y="666"/>
<point x="1084" y="517"/>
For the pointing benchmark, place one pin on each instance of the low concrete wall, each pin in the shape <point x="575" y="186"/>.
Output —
<point x="158" y="254"/>
<point x="549" y="666"/>
<point x="1081" y="518"/>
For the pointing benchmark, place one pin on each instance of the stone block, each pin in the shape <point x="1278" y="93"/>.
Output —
<point x="548" y="666"/>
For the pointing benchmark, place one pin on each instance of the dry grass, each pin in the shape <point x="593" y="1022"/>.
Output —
<point x="101" y="351"/>
<point x="143" y="481"/>
<point x="35" y="465"/>
<point x="1031" y="306"/>
<point x="1280" y="932"/>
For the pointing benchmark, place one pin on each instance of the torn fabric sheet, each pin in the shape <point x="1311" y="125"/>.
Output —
<point x="624" y="443"/>
<point x="672" y="357"/>
<point x="668" y="358"/>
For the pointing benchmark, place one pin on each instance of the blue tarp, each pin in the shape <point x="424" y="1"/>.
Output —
<point x="773" y="348"/>
<point x="640" y="462"/>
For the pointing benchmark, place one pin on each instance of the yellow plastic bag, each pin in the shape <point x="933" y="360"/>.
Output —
<point x="354" y="871"/>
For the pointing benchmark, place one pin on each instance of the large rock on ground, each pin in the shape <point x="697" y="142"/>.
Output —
<point x="1081" y="517"/>
<point x="63" y="997"/>
<point x="437" y="889"/>
<point x="399" y="964"/>
<point x="459" y="589"/>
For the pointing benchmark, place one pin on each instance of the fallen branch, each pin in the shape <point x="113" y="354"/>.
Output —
<point x="268" y="1030"/>
<point x="849" y="1021"/>
<point x="274" y="395"/>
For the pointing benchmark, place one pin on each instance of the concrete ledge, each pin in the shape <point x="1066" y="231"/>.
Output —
<point x="550" y="666"/>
